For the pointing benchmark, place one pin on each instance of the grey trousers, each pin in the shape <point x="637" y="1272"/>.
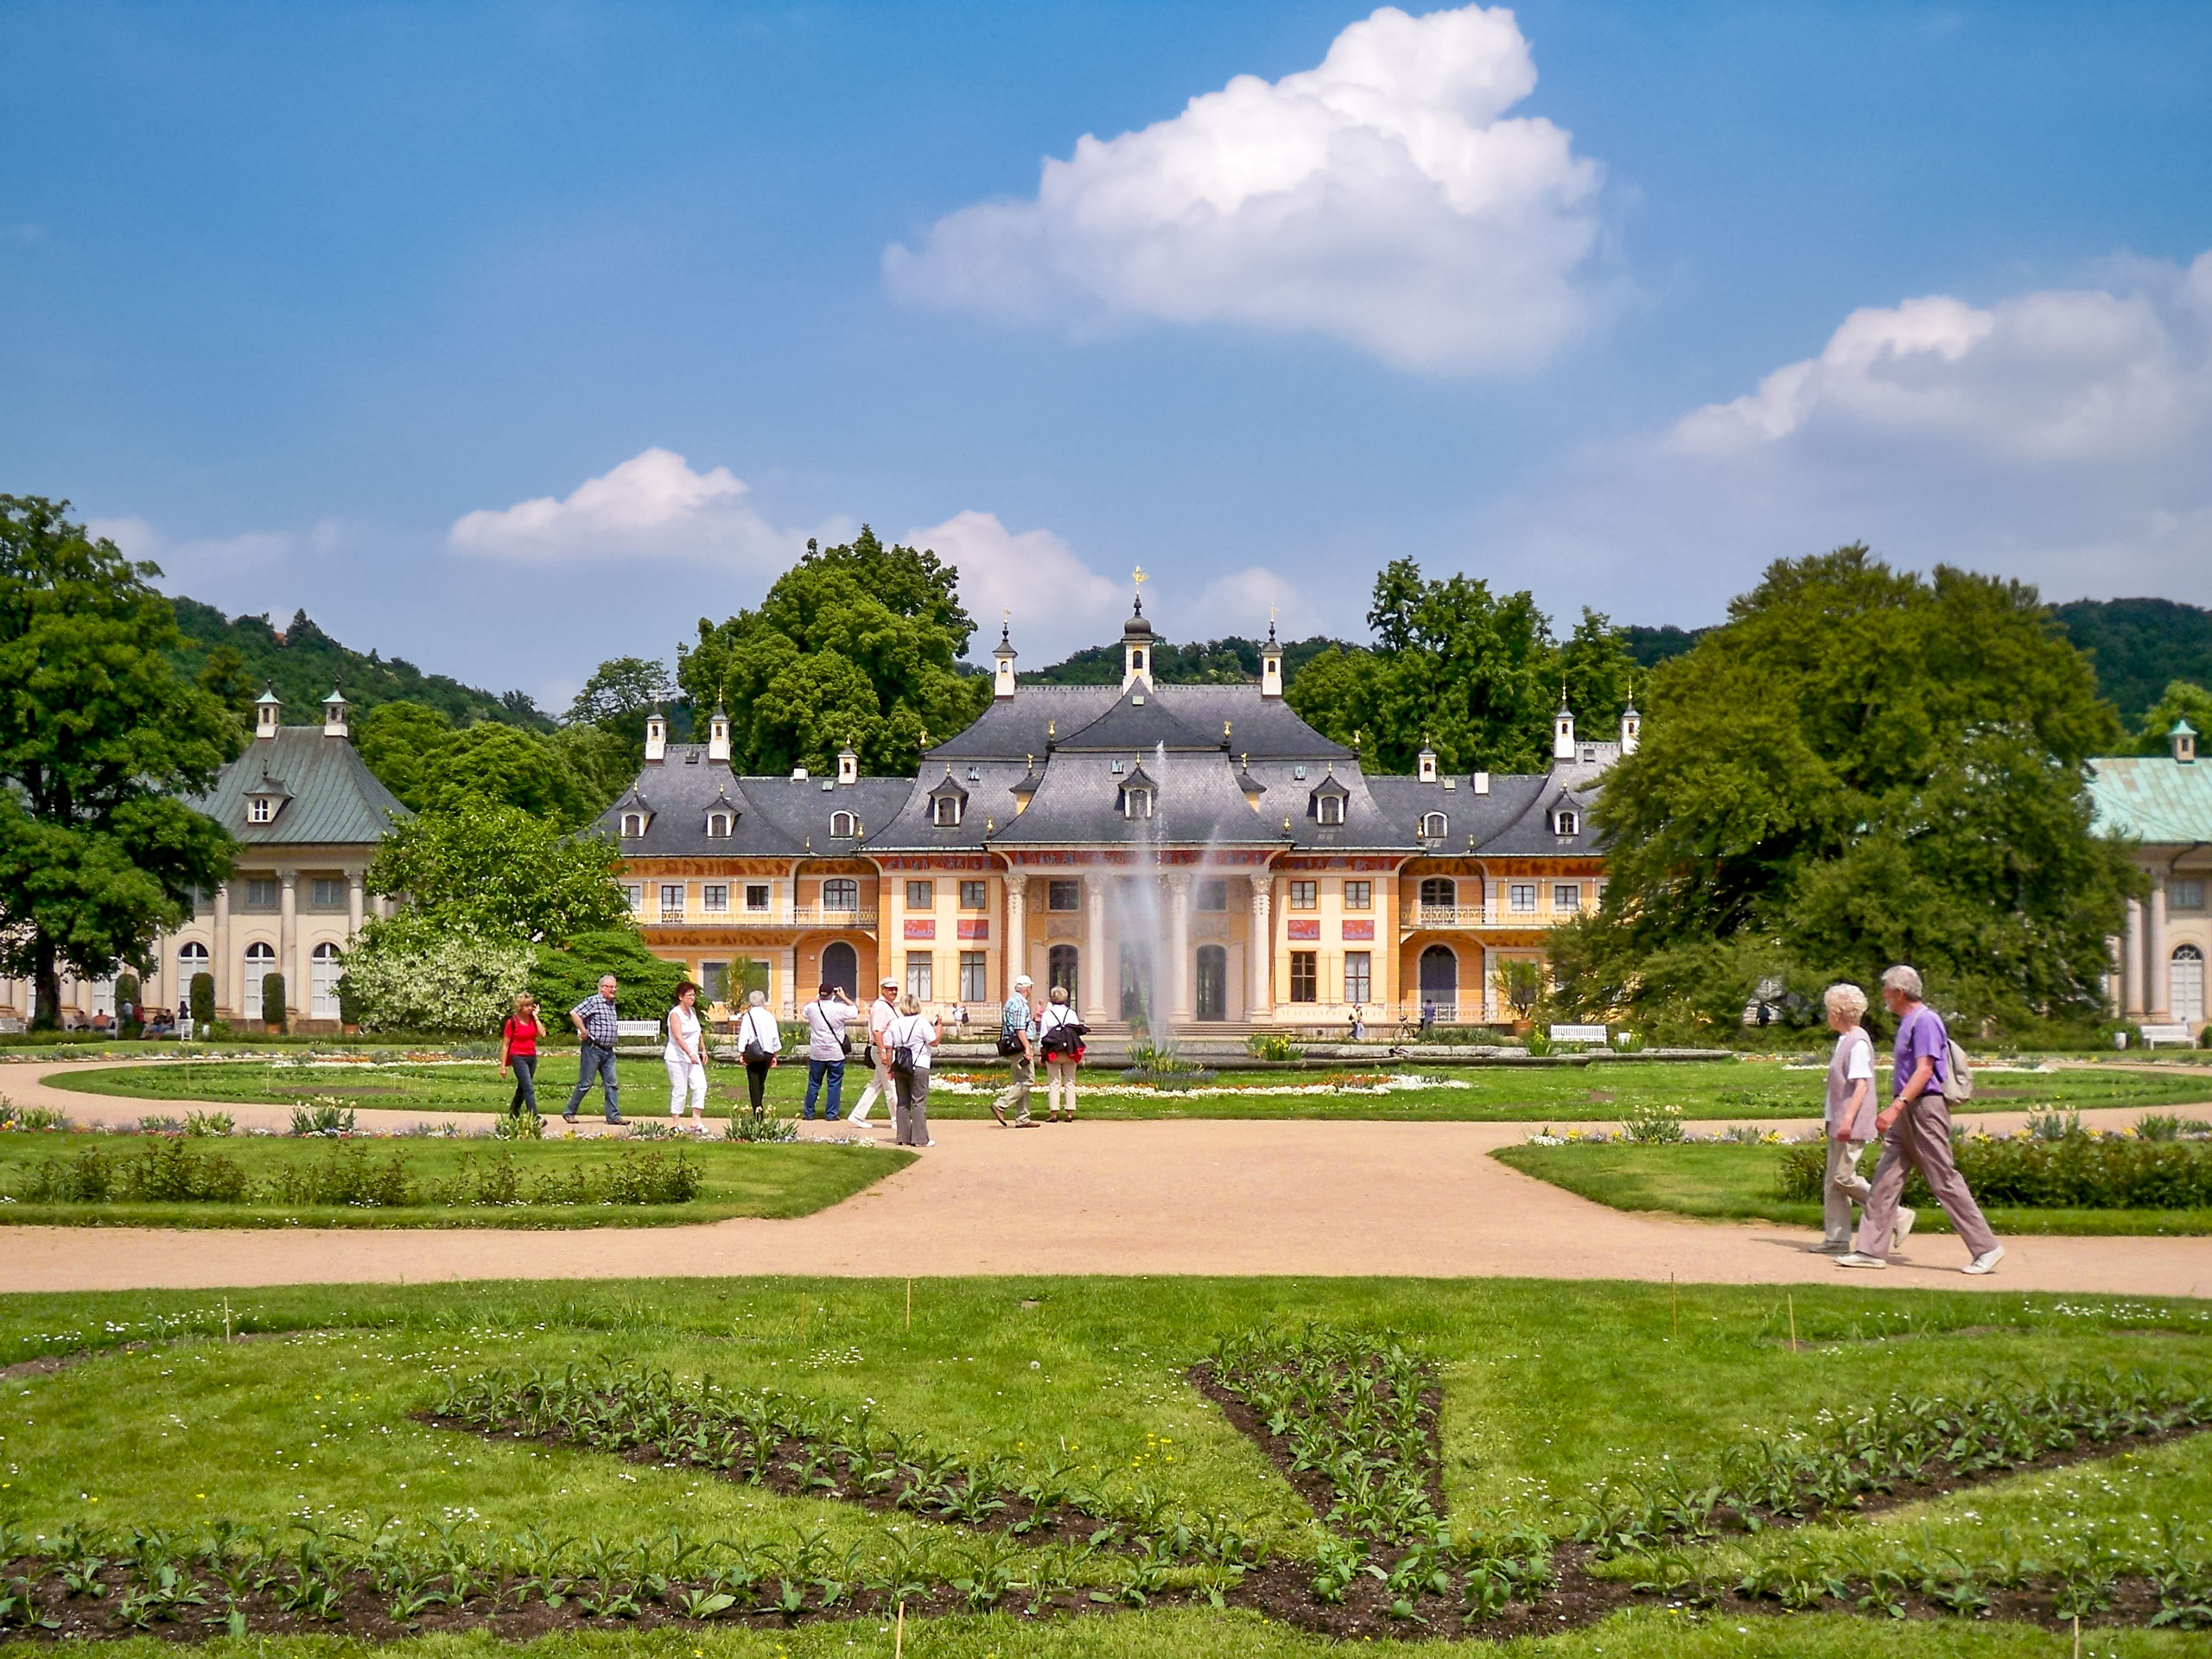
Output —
<point x="1016" y="1093"/>
<point x="1921" y="1139"/>
<point x="1844" y="1183"/>
<point x="909" y="1116"/>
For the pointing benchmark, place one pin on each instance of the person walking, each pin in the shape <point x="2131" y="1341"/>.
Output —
<point x="1018" y="1042"/>
<point x="686" y="1058"/>
<point x="880" y="1013"/>
<point x="908" y="1040"/>
<point x="1427" y="1017"/>
<point x="1059" y="1042"/>
<point x="1848" y="1123"/>
<point x="518" y="1035"/>
<point x="1915" y="1131"/>
<point x="594" y="1019"/>
<point x="761" y="1041"/>
<point x="826" y="1047"/>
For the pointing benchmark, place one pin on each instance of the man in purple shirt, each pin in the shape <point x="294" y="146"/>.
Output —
<point x="1915" y="1133"/>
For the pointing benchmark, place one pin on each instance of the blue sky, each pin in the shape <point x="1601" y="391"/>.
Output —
<point x="406" y="314"/>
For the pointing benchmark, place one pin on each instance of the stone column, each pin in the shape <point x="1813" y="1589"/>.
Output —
<point x="355" y="889"/>
<point x="787" y="971"/>
<point x="1487" y="967"/>
<point x="226" y="1002"/>
<point x="1181" y="1010"/>
<point x="2131" y="962"/>
<point x="2158" y="994"/>
<point x="1095" y="975"/>
<point x="1261" y="951"/>
<point x="289" y="959"/>
<point x="1014" y="949"/>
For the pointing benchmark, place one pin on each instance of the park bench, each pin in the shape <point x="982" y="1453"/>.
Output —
<point x="1577" y="1034"/>
<point x="2175" y="1033"/>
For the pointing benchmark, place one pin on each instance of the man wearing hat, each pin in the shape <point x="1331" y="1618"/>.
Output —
<point x="880" y="1013"/>
<point x="1018" y="1042"/>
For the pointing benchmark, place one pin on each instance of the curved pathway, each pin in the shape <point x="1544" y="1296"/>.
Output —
<point x="1203" y="1196"/>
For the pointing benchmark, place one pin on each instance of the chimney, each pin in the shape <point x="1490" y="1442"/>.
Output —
<point x="848" y="764"/>
<point x="656" y="736"/>
<point x="1271" y="665"/>
<point x="333" y="714"/>
<point x="1482" y="783"/>
<point x="1631" y="728"/>
<point x="1563" y="729"/>
<point x="1426" y="762"/>
<point x="1002" y="674"/>
<point x="268" y="713"/>
<point x="718" y="735"/>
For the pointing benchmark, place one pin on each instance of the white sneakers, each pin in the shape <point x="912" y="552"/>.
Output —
<point x="1903" y="1229"/>
<point x="1987" y="1260"/>
<point x="1853" y="1259"/>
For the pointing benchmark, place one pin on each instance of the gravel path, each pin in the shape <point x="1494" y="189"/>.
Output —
<point x="1206" y="1196"/>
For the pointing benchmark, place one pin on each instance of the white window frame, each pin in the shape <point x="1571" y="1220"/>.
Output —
<point x="1359" y="976"/>
<point x="714" y="897"/>
<point x="843" y="825"/>
<point x="1567" y="895"/>
<point x="633" y="825"/>
<point x="1520" y="898"/>
<point x="674" y="912"/>
<point x="947" y="814"/>
<point x="846" y="900"/>
<point x="1434" y="824"/>
<point x="1330" y="809"/>
<point x="1566" y="823"/>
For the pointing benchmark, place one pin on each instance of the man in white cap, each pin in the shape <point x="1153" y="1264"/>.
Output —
<point x="1018" y="1042"/>
<point x="880" y="1013"/>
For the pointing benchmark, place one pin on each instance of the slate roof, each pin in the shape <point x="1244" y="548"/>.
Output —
<point x="330" y="796"/>
<point x="2152" y="798"/>
<point x="1514" y="819"/>
<point x="776" y="817"/>
<point x="1014" y="728"/>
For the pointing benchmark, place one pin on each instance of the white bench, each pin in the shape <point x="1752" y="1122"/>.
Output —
<point x="2176" y="1032"/>
<point x="647" y="1029"/>
<point x="1578" y="1033"/>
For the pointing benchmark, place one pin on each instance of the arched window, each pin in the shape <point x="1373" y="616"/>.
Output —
<point x="633" y="823"/>
<point x="323" y="969"/>
<point x="1439" y="893"/>
<point x="947" y="816"/>
<point x="1330" y="809"/>
<point x="841" y="892"/>
<point x="260" y="960"/>
<point x="843" y="824"/>
<point x="1136" y="802"/>
<point x="1566" y="823"/>
<point x="1061" y="964"/>
<point x="1432" y="823"/>
<point x="2187" y="985"/>
<point x="191" y="958"/>
<point x="718" y="826"/>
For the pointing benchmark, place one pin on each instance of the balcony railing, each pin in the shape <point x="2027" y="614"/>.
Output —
<point x="783" y="916"/>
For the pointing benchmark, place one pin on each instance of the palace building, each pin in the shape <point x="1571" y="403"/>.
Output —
<point x="2161" y="805"/>
<point x="1192" y="855"/>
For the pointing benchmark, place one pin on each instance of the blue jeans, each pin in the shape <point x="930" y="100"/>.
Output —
<point x="815" y="1070"/>
<point x="600" y="1060"/>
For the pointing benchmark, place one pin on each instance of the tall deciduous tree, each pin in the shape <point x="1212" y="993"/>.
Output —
<point x="101" y="739"/>
<point x="2183" y="700"/>
<point x="484" y="867"/>
<point x="1474" y="674"/>
<point x="567" y="776"/>
<point x="852" y="644"/>
<point x="1860" y="768"/>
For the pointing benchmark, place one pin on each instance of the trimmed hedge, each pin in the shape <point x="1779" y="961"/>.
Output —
<point x="2081" y="1172"/>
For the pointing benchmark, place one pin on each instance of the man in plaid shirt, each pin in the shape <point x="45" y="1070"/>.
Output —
<point x="594" y="1019"/>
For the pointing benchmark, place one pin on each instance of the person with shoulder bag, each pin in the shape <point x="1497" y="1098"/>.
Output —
<point x="1018" y="1043"/>
<point x="760" y="1041"/>
<point x="1915" y="1130"/>
<point x="827" y="1047"/>
<point x="907" y="1042"/>
<point x="1059" y="1041"/>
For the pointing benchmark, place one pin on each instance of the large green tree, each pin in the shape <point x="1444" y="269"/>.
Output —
<point x="1861" y="766"/>
<point x="858" y="645"/>
<point x="2183" y="700"/>
<point x="487" y="868"/>
<point x="566" y="777"/>
<point x="617" y="696"/>
<point x="1474" y="674"/>
<point x="101" y="739"/>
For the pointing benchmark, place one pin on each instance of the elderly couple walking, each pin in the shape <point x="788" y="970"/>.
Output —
<point x="1028" y="1032"/>
<point x="1914" y="1130"/>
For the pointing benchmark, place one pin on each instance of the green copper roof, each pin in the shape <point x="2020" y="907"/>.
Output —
<point x="2152" y="798"/>
<point x="330" y="796"/>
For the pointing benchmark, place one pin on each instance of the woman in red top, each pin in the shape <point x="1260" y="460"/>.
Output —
<point x="518" y="1038"/>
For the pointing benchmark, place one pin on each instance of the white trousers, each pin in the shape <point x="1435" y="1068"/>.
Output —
<point x="879" y="1088"/>
<point x="685" y="1076"/>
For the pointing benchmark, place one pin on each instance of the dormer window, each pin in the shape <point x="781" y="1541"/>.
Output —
<point x="634" y="825"/>
<point x="843" y="824"/>
<point x="260" y="809"/>
<point x="1136" y="802"/>
<point x="1330" y="809"/>
<point x="1566" y="823"/>
<point x="947" y="813"/>
<point x="1433" y="823"/>
<point x="721" y="825"/>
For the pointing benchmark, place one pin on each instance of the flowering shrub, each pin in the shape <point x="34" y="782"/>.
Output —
<point x="402" y="975"/>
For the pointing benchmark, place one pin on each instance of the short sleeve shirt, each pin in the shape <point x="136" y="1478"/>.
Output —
<point x="598" y="1015"/>
<point x="1015" y="1018"/>
<point x="825" y="1028"/>
<point x="1921" y="1034"/>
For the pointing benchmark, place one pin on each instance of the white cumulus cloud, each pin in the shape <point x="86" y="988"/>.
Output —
<point x="1385" y="198"/>
<point x="1030" y="580"/>
<point x="651" y="505"/>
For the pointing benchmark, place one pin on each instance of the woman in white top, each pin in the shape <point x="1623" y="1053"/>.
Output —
<point x="686" y="1060"/>
<point x="1848" y="1123"/>
<point x="912" y="1034"/>
<point x="760" y="1040"/>
<point x="1060" y="1034"/>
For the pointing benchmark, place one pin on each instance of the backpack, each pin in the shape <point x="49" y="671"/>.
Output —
<point x="1958" y="1086"/>
<point x="902" y="1054"/>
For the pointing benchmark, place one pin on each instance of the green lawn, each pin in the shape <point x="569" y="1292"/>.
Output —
<point x="1737" y="1183"/>
<point x="1549" y="1391"/>
<point x="1601" y="1093"/>
<point x="736" y="1178"/>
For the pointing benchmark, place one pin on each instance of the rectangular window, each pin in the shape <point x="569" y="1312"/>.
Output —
<point x="714" y="897"/>
<point x="1305" y="977"/>
<point x="1063" y="895"/>
<point x="2185" y="895"/>
<point x="1359" y="895"/>
<point x="920" y="971"/>
<point x="1566" y="895"/>
<point x="756" y="895"/>
<point x="1358" y="976"/>
<point x="840" y="892"/>
<point x="1213" y="892"/>
<point x="671" y="901"/>
<point x="714" y="984"/>
<point x="327" y="894"/>
<point x="975" y="895"/>
<point x="1521" y="895"/>
<point x="1304" y="895"/>
<point x="921" y="895"/>
<point x="633" y="893"/>
<point x="260" y="894"/>
<point x="974" y="986"/>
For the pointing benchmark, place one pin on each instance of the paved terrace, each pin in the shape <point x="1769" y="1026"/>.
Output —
<point x="1200" y="1196"/>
